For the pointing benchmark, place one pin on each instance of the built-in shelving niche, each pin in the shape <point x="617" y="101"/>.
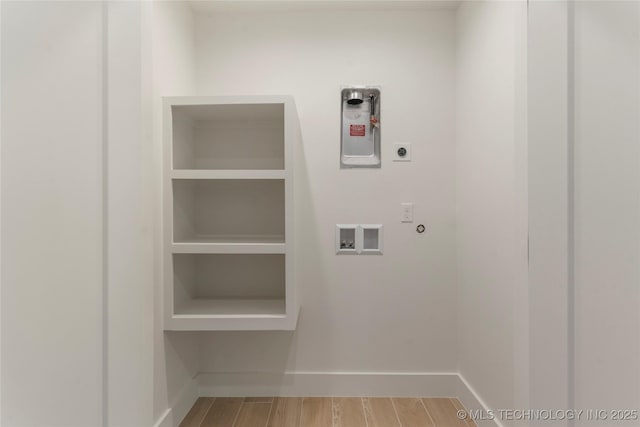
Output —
<point x="233" y="211"/>
<point x="226" y="285"/>
<point x="228" y="213"/>
<point x="233" y="136"/>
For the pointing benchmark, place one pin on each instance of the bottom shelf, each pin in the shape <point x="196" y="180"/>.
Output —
<point x="232" y="308"/>
<point x="233" y="315"/>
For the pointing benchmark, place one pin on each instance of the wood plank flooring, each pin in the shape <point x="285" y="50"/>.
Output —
<point x="325" y="412"/>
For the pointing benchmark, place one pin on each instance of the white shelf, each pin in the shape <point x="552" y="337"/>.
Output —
<point x="228" y="248"/>
<point x="227" y="174"/>
<point x="233" y="308"/>
<point x="236" y="238"/>
<point x="233" y="239"/>
<point x="228" y="213"/>
<point x="234" y="315"/>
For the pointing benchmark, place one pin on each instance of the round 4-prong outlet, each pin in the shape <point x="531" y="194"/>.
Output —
<point x="401" y="152"/>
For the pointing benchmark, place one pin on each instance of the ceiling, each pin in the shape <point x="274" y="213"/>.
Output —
<point x="286" y="5"/>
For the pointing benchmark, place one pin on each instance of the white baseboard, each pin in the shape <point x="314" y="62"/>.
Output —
<point x="473" y="402"/>
<point x="328" y="384"/>
<point x="164" y="420"/>
<point x="180" y="406"/>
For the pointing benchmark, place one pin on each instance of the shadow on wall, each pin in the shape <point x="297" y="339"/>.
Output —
<point x="181" y="368"/>
<point x="268" y="354"/>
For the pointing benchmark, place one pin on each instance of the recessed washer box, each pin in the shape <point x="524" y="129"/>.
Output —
<point x="346" y="239"/>
<point x="371" y="239"/>
<point x="356" y="239"/>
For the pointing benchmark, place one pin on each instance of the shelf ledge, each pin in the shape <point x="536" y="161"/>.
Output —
<point x="228" y="248"/>
<point x="228" y="174"/>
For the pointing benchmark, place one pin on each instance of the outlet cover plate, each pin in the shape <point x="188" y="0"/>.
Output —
<point x="397" y="149"/>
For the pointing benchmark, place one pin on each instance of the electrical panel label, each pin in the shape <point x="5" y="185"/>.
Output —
<point x="357" y="130"/>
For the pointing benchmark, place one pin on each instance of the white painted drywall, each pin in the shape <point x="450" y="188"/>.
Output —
<point x="584" y="63"/>
<point x="489" y="231"/>
<point x="52" y="244"/>
<point x="607" y="206"/>
<point x="129" y="261"/>
<point x="395" y="312"/>
<point x="548" y="132"/>
<point x="69" y="257"/>
<point x="175" y="354"/>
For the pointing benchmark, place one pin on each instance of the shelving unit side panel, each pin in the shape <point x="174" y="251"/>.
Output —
<point x="167" y="215"/>
<point x="183" y="152"/>
<point x="292" y="140"/>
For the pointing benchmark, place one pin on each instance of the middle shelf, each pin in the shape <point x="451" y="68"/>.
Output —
<point x="227" y="245"/>
<point x="228" y="212"/>
<point x="227" y="174"/>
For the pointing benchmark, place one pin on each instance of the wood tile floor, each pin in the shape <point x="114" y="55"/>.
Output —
<point x="324" y="412"/>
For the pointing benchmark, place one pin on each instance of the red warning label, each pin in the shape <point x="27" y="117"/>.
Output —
<point x="356" y="130"/>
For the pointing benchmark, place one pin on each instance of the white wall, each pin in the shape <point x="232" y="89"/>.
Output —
<point x="549" y="253"/>
<point x="175" y="354"/>
<point x="584" y="63"/>
<point x="52" y="200"/>
<point x="489" y="230"/>
<point x="129" y="257"/>
<point x="395" y="312"/>
<point x="607" y="206"/>
<point x="77" y="247"/>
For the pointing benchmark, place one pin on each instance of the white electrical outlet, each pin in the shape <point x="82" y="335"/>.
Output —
<point x="407" y="212"/>
<point x="401" y="152"/>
